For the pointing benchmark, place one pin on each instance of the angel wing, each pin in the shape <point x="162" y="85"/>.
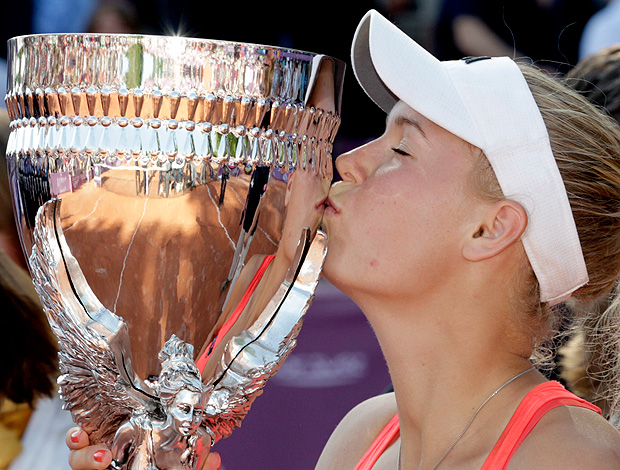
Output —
<point x="255" y="355"/>
<point x="97" y="382"/>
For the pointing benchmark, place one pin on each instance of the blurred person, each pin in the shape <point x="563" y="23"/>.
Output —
<point x="28" y="368"/>
<point x="418" y="18"/>
<point x="459" y="232"/>
<point x="30" y="365"/>
<point x="601" y="30"/>
<point x="545" y="31"/>
<point x="62" y="16"/>
<point x="115" y="16"/>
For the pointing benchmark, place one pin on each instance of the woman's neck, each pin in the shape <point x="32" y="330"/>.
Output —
<point x="445" y="360"/>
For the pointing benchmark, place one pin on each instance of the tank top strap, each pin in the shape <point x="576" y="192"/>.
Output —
<point x="201" y="363"/>
<point x="532" y="408"/>
<point x="388" y="434"/>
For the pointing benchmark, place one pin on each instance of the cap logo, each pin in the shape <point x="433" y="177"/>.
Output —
<point x="471" y="60"/>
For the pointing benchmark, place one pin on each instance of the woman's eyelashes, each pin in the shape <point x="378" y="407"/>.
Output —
<point x="400" y="151"/>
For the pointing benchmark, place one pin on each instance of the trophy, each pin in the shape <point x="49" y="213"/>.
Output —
<point x="168" y="193"/>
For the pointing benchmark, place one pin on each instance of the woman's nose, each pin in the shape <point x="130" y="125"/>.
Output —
<point x="355" y="165"/>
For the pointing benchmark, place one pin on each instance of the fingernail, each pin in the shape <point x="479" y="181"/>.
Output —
<point x="99" y="455"/>
<point x="75" y="436"/>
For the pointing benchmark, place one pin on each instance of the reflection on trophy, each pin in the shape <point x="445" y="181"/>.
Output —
<point x="168" y="193"/>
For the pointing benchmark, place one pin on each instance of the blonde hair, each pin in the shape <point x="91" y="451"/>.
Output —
<point x="586" y="145"/>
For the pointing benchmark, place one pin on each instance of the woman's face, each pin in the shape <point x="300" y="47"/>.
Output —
<point x="400" y="214"/>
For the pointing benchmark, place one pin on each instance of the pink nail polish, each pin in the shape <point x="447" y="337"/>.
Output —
<point x="75" y="436"/>
<point x="99" y="455"/>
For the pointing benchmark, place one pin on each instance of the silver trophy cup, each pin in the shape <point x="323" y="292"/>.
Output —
<point x="168" y="193"/>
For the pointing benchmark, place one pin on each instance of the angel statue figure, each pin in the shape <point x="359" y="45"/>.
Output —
<point x="147" y="442"/>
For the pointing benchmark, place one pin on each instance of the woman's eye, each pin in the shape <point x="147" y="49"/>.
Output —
<point x="399" y="151"/>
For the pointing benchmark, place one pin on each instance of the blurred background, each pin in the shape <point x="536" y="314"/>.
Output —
<point x="337" y="362"/>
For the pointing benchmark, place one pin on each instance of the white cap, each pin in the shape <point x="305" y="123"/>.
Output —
<point x="486" y="102"/>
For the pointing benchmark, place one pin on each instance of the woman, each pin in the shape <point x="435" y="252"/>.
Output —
<point x="491" y="198"/>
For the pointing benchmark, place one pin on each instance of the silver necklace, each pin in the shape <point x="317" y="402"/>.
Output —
<point x="471" y="420"/>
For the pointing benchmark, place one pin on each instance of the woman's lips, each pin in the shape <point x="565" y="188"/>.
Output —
<point x="330" y="207"/>
<point x="320" y="206"/>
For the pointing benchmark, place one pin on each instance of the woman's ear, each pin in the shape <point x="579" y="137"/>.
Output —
<point x="503" y="224"/>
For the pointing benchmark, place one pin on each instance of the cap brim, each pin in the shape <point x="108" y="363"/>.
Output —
<point x="390" y="66"/>
<point x="364" y="69"/>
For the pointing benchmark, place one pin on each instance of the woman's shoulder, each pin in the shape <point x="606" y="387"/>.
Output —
<point x="357" y="431"/>
<point x="374" y="413"/>
<point x="570" y="437"/>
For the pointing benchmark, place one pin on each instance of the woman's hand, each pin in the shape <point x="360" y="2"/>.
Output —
<point x="84" y="456"/>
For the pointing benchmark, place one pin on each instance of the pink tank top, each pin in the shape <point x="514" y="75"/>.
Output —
<point x="532" y="408"/>
<point x="201" y="363"/>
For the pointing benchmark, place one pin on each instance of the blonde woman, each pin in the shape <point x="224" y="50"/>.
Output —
<point x="492" y="197"/>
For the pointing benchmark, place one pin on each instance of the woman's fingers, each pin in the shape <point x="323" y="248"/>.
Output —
<point x="96" y="457"/>
<point x="76" y="438"/>
<point x="213" y="462"/>
<point x="90" y="458"/>
<point x="84" y="456"/>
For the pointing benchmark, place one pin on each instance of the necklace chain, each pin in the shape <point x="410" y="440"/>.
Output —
<point x="471" y="420"/>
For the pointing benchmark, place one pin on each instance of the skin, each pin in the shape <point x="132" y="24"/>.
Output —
<point x="430" y="264"/>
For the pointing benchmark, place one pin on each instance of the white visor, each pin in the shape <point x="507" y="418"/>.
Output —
<point x="486" y="102"/>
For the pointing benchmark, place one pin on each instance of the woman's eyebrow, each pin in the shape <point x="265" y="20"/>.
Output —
<point x="401" y="120"/>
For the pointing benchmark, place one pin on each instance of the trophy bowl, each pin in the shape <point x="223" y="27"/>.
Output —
<point x="168" y="193"/>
